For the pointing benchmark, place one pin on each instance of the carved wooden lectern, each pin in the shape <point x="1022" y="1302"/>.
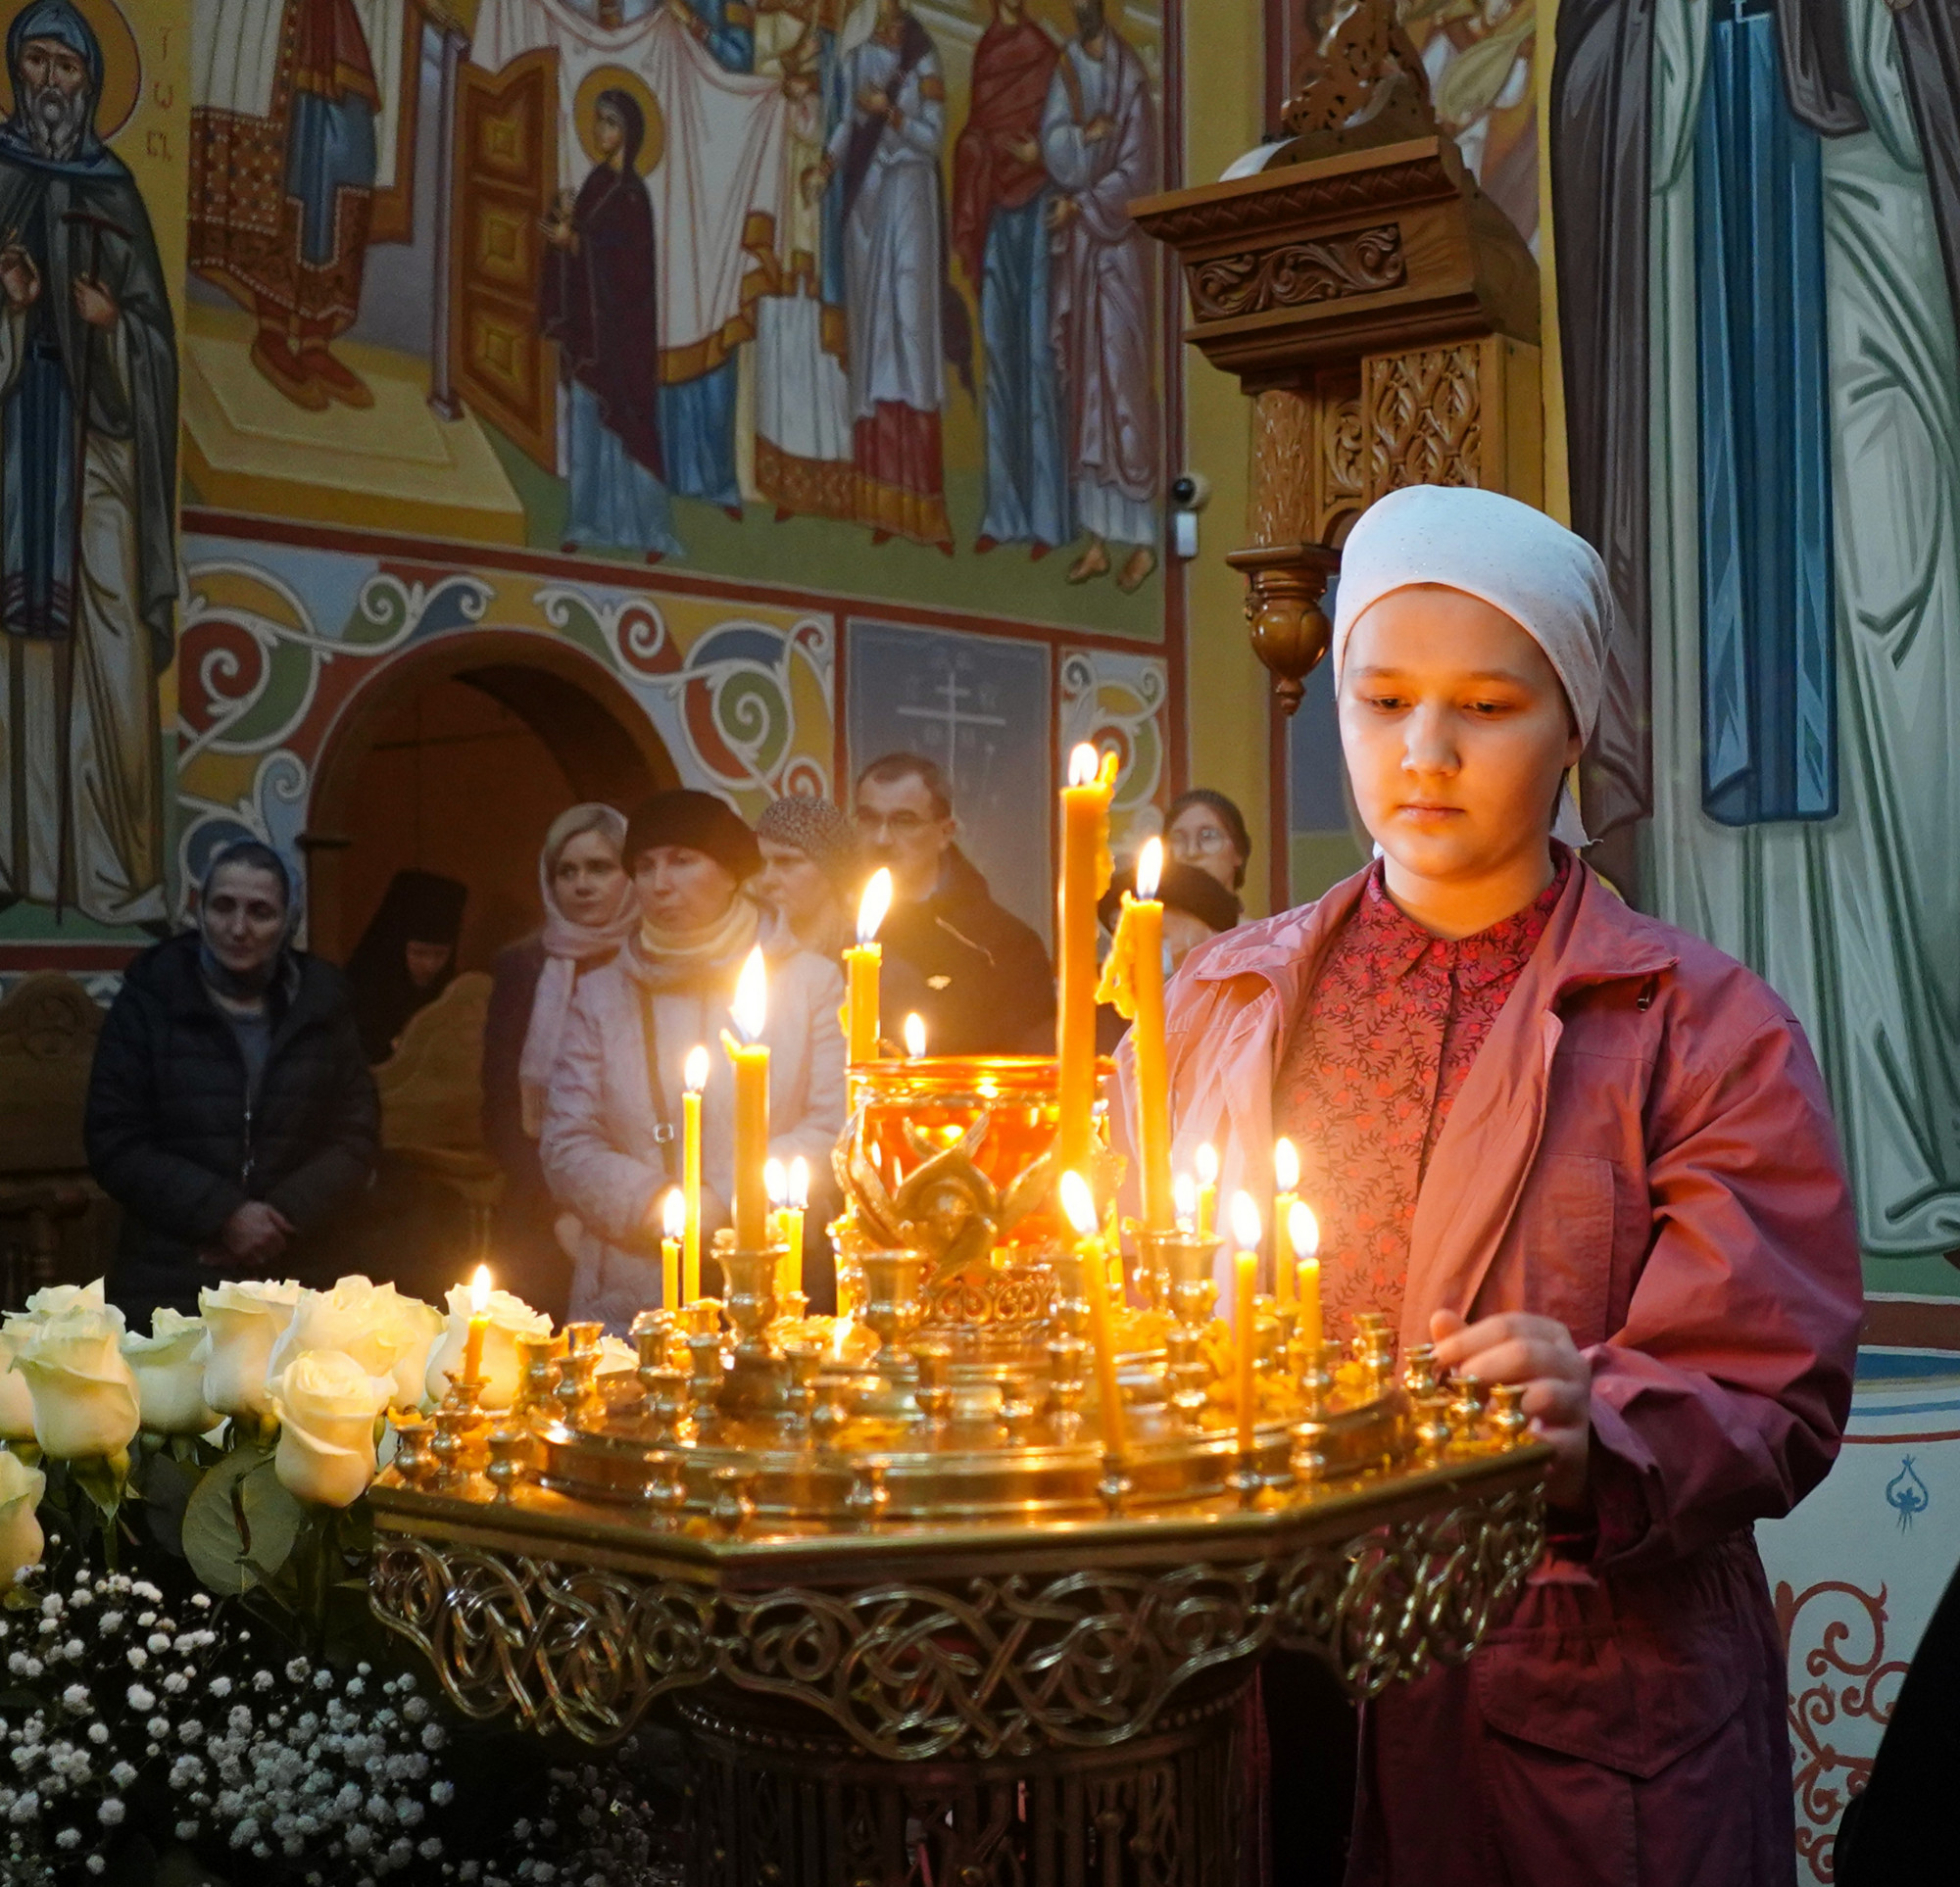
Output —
<point x="1382" y="313"/>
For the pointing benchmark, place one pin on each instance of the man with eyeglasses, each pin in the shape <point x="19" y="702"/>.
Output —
<point x="978" y="976"/>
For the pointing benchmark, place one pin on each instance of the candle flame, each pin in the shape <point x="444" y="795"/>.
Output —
<point x="1207" y="1164"/>
<point x="1184" y="1197"/>
<point x="1304" y="1229"/>
<point x="798" y="1184"/>
<point x="1079" y="1203"/>
<point x="873" y="905"/>
<point x="1244" y="1221"/>
<point x="479" y="1291"/>
<point x="1150" y="868"/>
<point x="1286" y="1165"/>
<point x="1084" y="763"/>
<point x="775" y="1182"/>
<point x="751" y="1007"/>
<point x="673" y="1213"/>
<point x="914" y="1034"/>
<point x="694" y="1072"/>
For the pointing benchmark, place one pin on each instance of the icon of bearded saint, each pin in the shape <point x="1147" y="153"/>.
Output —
<point x="88" y="405"/>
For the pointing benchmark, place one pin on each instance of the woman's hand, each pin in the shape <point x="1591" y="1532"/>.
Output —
<point x="1538" y="1352"/>
<point x="257" y="1233"/>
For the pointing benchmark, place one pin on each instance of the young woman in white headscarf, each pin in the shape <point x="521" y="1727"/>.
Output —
<point x="1579" y="1151"/>
<point x="590" y="911"/>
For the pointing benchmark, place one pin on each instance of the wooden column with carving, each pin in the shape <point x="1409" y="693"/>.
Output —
<point x="1382" y="314"/>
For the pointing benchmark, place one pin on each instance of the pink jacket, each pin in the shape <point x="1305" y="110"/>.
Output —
<point x="1643" y="1150"/>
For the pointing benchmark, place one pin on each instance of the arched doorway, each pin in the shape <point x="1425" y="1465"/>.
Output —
<point x="454" y="758"/>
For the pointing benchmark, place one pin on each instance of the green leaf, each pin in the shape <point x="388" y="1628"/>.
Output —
<point x="272" y="1518"/>
<point x="218" y="1537"/>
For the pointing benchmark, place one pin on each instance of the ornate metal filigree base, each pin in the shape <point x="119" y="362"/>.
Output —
<point x="769" y="1802"/>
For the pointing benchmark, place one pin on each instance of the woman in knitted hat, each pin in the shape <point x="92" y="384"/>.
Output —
<point x="610" y="1141"/>
<point x="1580" y="1152"/>
<point x="811" y="878"/>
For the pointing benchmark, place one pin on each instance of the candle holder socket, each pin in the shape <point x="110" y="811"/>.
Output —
<point x="537" y="1378"/>
<point x="734" y="1503"/>
<point x="1508" y="1421"/>
<point x="869" y="1497"/>
<point x="512" y="1459"/>
<point x="414" y="1461"/>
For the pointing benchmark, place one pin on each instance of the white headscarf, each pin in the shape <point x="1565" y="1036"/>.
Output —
<point x="569" y="944"/>
<point x="1547" y="580"/>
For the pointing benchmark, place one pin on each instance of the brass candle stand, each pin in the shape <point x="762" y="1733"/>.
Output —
<point x="890" y="1573"/>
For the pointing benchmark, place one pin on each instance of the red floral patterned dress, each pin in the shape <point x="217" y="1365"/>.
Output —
<point x="1374" y="1065"/>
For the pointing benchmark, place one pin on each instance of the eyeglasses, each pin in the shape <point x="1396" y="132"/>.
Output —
<point x="900" y="825"/>
<point x="1204" y="839"/>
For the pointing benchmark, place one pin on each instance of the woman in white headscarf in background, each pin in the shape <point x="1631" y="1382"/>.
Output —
<point x="589" y="911"/>
<point x="1579" y="1151"/>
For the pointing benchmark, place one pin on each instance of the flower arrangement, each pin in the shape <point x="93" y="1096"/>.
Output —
<point x="194" y="1688"/>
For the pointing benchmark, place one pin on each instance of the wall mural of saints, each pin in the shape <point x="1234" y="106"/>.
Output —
<point x="750" y="288"/>
<point x="88" y="374"/>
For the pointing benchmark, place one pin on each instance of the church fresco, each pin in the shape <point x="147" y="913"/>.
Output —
<point x="88" y="414"/>
<point x="835" y="293"/>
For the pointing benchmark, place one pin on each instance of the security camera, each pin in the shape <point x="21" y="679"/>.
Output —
<point x="1190" y="491"/>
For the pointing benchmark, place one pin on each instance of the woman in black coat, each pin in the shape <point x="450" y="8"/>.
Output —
<point x="231" y="1111"/>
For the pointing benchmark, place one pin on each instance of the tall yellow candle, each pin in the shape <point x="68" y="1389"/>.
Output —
<point x="1132" y="981"/>
<point x="673" y="1213"/>
<point x="793" y="1218"/>
<point x="776" y="1183"/>
<point x="1206" y="1162"/>
<point x="750" y="1057"/>
<point x="1245" y="1315"/>
<point x="695" y="1079"/>
<point x="863" y="964"/>
<point x="479" y="1326"/>
<point x="1304" y="1235"/>
<point x="1085" y="876"/>
<point x="1091" y="1254"/>
<point x="1286" y="1179"/>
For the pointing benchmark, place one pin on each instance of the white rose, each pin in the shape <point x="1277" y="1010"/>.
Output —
<point x="244" y="1321"/>
<point x="327" y="1404"/>
<point x="616" y="1356"/>
<point x="57" y="1300"/>
<point x="20" y="1536"/>
<point x="510" y="1319"/>
<point x="386" y="1333"/>
<point x="17" y="1403"/>
<point x="170" y="1373"/>
<point x="84" y="1392"/>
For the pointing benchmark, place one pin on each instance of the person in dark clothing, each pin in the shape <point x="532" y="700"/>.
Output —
<point x="405" y="957"/>
<point x="590" y="911"/>
<point x="1196" y="906"/>
<point x="231" y="1111"/>
<point x="978" y="976"/>
<point x="1903" y="1826"/>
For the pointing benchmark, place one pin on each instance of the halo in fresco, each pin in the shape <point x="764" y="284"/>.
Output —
<point x="585" y="111"/>
<point x="122" y="65"/>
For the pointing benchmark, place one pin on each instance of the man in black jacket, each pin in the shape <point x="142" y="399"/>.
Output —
<point x="231" y="1111"/>
<point x="979" y="977"/>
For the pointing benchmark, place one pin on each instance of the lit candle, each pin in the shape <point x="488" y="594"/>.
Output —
<point x="914" y="1034"/>
<point x="750" y="1057"/>
<point x="1133" y="982"/>
<point x="861" y="964"/>
<point x="799" y="1204"/>
<point x="1184" y="1200"/>
<point x="1245" y="1317"/>
<point x="694" y="1079"/>
<point x="1085" y="876"/>
<point x="1303" y="1233"/>
<point x="776" y="1183"/>
<point x="479" y="1326"/>
<point x="1080" y="1205"/>
<point x="1208" y="1188"/>
<point x="1286" y="1178"/>
<point x="673" y="1211"/>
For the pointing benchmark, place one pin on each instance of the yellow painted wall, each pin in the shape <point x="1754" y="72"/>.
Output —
<point x="1227" y="710"/>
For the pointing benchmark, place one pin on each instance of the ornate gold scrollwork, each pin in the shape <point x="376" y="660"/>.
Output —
<point x="1006" y="1666"/>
